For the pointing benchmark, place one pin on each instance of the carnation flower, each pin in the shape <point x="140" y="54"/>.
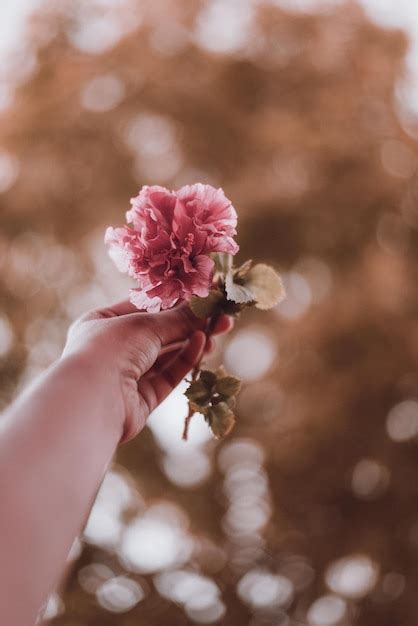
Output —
<point x="166" y="249"/>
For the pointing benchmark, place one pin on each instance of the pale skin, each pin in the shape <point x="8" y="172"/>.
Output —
<point x="58" y="438"/>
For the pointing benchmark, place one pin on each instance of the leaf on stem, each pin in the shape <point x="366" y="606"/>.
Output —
<point x="223" y="262"/>
<point x="266" y="286"/>
<point x="259" y="285"/>
<point x="198" y="393"/>
<point x="228" y="386"/>
<point x="243" y="269"/>
<point x="238" y="292"/>
<point x="206" y="307"/>
<point x="208" y="378"/>
<point x="221" y="419"/>
<point x="213" y="395"/>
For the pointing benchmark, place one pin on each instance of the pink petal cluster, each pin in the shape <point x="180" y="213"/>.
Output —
<point x="166" y="246"/>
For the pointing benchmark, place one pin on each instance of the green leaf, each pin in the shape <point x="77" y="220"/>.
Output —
<point x="265" y="285"/>
<point x="237" y="292"/>
<point x="223" y="262"/>
<point x="228" y="386"/>
<point x="221" y="419"/>
<point x="206" y="307"/>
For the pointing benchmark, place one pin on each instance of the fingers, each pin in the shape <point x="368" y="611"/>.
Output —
<point x="125" y="307"/>
<point x="168" y="373"/>
<point x="119" y="308"/>
<point x="177" y="356"/>
<point x="170" y="348"/>
<point x="223" y="325"/>
<point x="209" y="346"/>
<point x="175" y="324"/>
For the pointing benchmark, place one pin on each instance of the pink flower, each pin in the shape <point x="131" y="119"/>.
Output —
<point x="166" y="250"/>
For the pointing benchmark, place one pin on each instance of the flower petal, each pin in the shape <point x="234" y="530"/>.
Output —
<point x="143" y="302"/>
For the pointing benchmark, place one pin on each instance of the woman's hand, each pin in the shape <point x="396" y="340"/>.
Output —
<point x="59" y="436"/>
<point x="138" y="358"/>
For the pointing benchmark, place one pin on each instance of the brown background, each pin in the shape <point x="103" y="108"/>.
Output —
<point x="297" y="122"/>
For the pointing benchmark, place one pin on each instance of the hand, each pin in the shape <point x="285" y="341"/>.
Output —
<point x="140" y="357"/>
<point x="117" y="365"/>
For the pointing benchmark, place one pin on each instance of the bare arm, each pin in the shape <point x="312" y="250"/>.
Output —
<point x="58" y="438"/>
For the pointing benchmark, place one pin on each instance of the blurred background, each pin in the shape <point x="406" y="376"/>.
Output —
<point x="305" y="112"/>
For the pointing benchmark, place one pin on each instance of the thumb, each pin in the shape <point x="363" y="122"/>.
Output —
<point x="175" y="324"/>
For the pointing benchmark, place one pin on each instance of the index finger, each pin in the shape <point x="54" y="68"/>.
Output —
<point x="125" y="307"/>
<point x="175" y="324"/>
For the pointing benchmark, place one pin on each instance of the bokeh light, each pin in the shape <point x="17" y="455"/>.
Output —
<point x="119" y="594"/>
<point x="402" y="421"/>
<point x="252" y="343"/>
<point x="327" y="611"/>
<point x="155" y="541"/>
<point x="102" y="93"/>
<point x="352" y="576"/>
<point x="264" y="589"/>
<point x="369" y="479"/>
<point x="306" y="113"/>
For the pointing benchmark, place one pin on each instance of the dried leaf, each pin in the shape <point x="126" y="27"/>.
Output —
<point x="206" y="307"/>
<point x="243" y="269"/>
<point x="237" y="292"/>
<point x="221" y="419"/>
<point x="198" y="393"/>
<point x="213" y="395"/>
<point x="265" y="285"/>
<point x="259" y="285"/>
<point x="231" y="402"/>
<point x="223" y="262"/>
<point x="208" y="378"/>
<point x="228" y="386"/>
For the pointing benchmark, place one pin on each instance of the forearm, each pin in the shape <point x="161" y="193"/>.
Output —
<point x="55" y="445"/>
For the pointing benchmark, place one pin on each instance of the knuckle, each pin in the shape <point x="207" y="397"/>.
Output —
<point x="186" y="317"/>
<point x="88" y="316"/>
<point x="151" y="323"/>
<point x="154" y="327"/>
<point x="141" y="349"/>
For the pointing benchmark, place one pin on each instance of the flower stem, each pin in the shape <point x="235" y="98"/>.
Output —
<point x="211" y="323"/>
<point x="187" y="423"/>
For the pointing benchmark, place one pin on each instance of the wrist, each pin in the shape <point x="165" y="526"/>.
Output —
<point x="92" y="380"/>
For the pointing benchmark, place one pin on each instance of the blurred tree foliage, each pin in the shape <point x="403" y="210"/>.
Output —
<point x="298" y="125"/>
